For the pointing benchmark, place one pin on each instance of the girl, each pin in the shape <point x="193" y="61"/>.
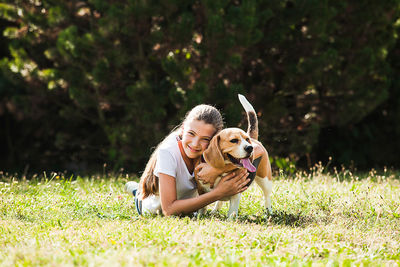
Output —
<point x="167" y="184"/>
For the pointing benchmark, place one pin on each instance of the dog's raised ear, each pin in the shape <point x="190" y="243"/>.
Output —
<point x="213" y="154"/>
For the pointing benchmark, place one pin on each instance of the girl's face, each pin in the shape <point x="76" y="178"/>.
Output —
<point x="195" y="137"/>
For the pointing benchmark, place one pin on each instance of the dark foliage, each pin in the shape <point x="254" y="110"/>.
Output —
<point x="84" y="83"/>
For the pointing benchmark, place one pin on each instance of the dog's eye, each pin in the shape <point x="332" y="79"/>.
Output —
<point x="248" y="140"/>
<point x="235" y="141"/>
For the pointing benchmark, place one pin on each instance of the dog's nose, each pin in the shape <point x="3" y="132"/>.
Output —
<point x="248" y="149"/>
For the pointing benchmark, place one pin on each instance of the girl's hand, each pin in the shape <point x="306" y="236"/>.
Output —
<point x="232" y="184"/>
<point x="207" y="174"/>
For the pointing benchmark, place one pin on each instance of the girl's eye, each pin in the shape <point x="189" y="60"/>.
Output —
<point x="191" y="133"/>
<point x="235" y="141"/>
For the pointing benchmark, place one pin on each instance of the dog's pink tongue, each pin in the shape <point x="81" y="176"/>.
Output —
<point x="248" y="165"/>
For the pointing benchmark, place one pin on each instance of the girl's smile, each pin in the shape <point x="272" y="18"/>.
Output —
<point x="196" y="137"/>
<point x="194" y="150"/>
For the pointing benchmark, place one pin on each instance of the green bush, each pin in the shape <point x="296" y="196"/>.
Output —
<point x="103" y="81"/>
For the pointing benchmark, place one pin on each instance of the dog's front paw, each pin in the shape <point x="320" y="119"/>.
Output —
<point x="233" y="216"/>
<point x="269" y="211"/>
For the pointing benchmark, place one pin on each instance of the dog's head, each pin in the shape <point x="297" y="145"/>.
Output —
<point x="231" y="145"/>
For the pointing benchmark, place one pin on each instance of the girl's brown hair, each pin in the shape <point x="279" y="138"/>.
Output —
<point x="206" y="113"/>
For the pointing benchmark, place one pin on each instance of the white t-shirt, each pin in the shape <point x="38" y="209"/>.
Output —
<point x="170" y="162"/>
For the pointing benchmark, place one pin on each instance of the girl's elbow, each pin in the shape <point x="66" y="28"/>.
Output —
<point x="167" y="212"/>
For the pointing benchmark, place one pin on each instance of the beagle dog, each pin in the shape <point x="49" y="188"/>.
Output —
<point x="232" y="149"/>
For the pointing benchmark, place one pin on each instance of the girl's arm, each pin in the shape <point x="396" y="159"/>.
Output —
<point x="231" y="184"/>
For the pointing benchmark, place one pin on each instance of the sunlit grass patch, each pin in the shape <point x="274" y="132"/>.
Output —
<point x="318" y="218"/>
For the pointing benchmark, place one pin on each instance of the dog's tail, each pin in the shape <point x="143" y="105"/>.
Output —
<point x="252" y="120"/>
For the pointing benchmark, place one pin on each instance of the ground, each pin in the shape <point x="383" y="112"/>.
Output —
<point x="319" y="218"/>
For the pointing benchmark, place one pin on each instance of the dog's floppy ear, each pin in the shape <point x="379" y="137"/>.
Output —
<point x="213" y="154"/>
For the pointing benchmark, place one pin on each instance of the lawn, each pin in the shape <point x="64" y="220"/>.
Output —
<point x="320" y="218"/>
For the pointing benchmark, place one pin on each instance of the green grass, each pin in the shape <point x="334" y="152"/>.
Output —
<point x="319" y="218"/>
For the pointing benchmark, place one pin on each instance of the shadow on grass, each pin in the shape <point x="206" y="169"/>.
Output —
<point x="278" y="217"/>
